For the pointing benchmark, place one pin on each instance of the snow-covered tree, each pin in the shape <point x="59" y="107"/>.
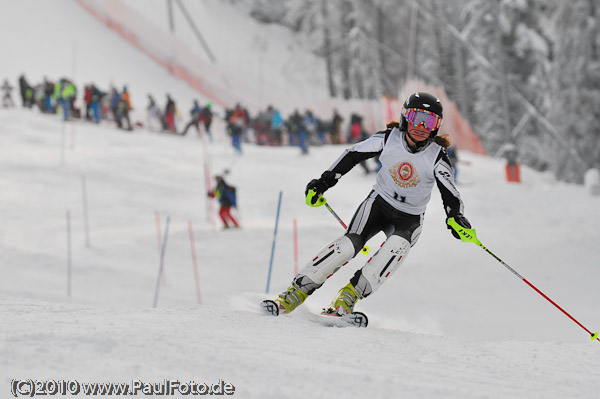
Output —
<point x="576" y="73"/>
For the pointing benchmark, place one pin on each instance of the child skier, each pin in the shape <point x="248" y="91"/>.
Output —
<point x="227" y="199"/>
<point x="413" y="159"/>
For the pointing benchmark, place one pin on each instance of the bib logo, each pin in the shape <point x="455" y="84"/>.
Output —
<point x="405" y="175"/>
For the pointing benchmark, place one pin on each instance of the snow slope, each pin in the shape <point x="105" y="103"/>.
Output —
<point x="452" y="322"/>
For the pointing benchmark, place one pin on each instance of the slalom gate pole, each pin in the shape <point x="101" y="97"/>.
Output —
<point x="207" y="182"/>
<point x="159" y="239"/>
<point x="162" y="262"/>
<point x="295" y="247"/>
<point x="274" y="239"/>
<point x="468" y="235"/>
<point x="195" y="263"/>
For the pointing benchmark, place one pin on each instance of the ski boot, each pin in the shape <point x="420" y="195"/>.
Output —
<point x="344" y="303"/>
<point x="286" y="302"/>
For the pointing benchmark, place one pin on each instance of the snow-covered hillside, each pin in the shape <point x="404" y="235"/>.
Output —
<point x="451" y="323"/>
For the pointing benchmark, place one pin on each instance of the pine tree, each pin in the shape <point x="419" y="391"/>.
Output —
<point x="576" y="99"/>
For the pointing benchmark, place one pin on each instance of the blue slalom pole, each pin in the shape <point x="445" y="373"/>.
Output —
<point x="274" y="239"/>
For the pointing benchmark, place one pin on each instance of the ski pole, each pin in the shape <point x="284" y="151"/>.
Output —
<point x="468" y="235"/>
<point x="335" y="215"/>
<point x="323" y="201"/>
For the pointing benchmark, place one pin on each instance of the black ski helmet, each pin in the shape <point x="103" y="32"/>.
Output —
<point x="425" y="101"/>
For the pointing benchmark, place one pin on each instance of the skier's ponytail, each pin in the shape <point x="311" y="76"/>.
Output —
<point x="392" y="124"/>
<point x="445" y="140"/>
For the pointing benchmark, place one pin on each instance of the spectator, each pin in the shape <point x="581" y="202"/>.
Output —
<point x="123" y="108"/>
<point x="65" y="93"/>
<point x="170" y="110"/>
<point x="207" y="117"/>
<point x="262" y="127"/>
<point x="276" y="126"/>
<point x="295" y="126"/>
<point x="355" y="128"/>
<point x="95" y="98"/>
<point x="48" y="93"/>
<point x="310" y="128"/>
<point x="237" y="123"/>
<point x="336" y="128"/>
<point x="26" y="92"/>
<point x="87" y="100"/>
<point x="154" y="117"/>
<point x="196" y="114"/>
<point x="7" y="101"/>
<point x="115" y="98"/>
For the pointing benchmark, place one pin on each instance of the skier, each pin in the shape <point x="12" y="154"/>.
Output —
<point x="414" y="158"/>
<point x="227" y="199"/>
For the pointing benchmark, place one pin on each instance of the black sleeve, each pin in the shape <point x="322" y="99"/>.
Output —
<point x="359" y="152"/>
<point x="444" y="177"/>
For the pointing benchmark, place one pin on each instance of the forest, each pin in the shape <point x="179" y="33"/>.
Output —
<point x="523" y="72"/>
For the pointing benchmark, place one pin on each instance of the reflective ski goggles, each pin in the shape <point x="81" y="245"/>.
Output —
<point x="416" y="117"/>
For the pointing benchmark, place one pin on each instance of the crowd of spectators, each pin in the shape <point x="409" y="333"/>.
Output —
<point x="268" y="127"/>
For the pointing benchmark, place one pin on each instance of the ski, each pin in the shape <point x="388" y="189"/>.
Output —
<point x="326" y="318"/>
<point x="269" y="307"/>
<point x="354" y="319"/>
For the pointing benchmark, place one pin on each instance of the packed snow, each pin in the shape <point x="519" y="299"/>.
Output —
<point x="452" y="322"/>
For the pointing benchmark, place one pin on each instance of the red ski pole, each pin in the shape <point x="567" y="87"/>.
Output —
<point x="468" y="235"/>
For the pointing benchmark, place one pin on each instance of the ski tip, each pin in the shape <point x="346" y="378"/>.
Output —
<point x="359" y="319"/>
<point x="269" y="307"/>
<point x="354" y="319"/>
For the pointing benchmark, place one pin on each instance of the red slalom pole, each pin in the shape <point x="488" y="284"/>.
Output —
<point x="468" y="235"/>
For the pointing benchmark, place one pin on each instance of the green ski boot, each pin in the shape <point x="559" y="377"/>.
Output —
<point x="290" y="299"/>
<point x="344" y="303"/>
